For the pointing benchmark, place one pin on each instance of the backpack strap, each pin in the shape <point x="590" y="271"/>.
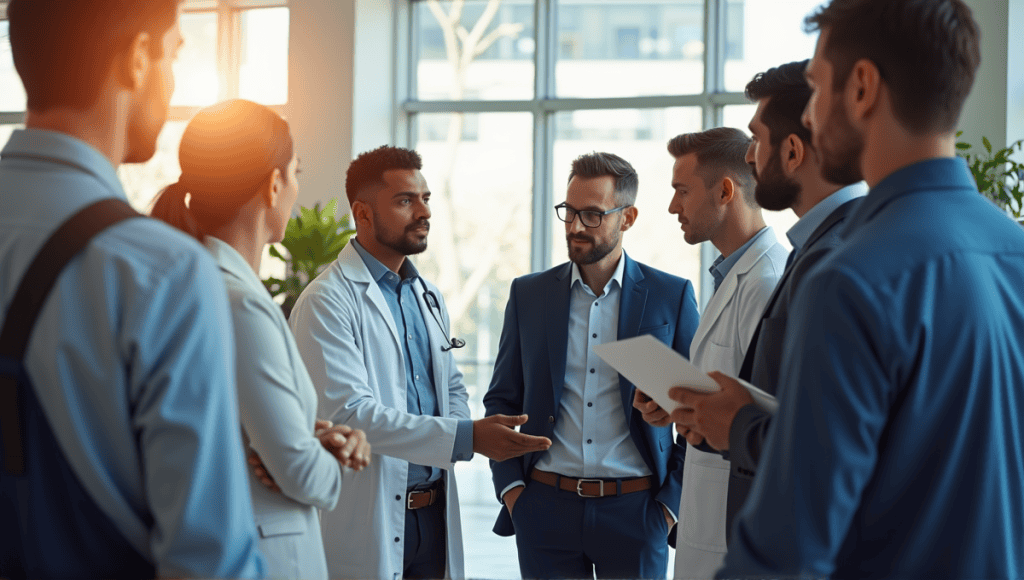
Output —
<point x="19" y="320"/>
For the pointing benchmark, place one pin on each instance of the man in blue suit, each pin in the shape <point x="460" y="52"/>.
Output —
<point x="603" y="497"/>
<point x="896" y="451"/>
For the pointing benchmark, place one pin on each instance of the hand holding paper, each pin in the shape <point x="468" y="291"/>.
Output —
<point x="709" y="416"/>
<point x="655" y="368"/>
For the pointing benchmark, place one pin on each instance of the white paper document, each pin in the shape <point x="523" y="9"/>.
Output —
<point x="655" y="368"/>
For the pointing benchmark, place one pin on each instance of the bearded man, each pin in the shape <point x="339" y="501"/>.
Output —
<point x="602" y="499"/>
<point x="787" y="169"/>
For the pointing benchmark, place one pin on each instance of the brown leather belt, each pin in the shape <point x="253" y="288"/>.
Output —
<point x="585" y="487"/>
<point x="415" y="500"/>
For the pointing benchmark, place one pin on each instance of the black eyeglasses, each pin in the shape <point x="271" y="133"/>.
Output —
<point x="434" y="304"/>
<point x="588" y="217"/>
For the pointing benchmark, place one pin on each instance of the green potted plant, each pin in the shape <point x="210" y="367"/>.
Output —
<point x="312" y="240"/>
<point x="999" y="176"/>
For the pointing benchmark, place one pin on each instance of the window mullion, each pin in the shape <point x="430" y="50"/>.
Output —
<point x="229" y="41"/>
<point x="543" y="133"/>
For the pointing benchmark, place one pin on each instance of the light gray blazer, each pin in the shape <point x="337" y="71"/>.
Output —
<point x="277" y="406"/>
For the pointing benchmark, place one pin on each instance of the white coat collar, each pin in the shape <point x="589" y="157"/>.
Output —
<point x="728" y="287"/>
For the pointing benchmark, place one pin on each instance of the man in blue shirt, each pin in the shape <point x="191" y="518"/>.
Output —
<point x="896" y="451"/>
<point x="602" y="499"/>
<point x="375" y="338"/>
<point x="132" y="357"/>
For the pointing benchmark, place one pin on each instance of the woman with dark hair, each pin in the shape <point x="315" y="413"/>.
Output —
<point x="235" y="195"/>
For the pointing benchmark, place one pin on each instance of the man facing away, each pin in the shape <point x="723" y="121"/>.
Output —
<point x="714" y="199"/>
<point x="896" y="450"/>
<point x="787" y="168"/>
<point x="375" y="338"/>
<point x="602" y="499"/>
<point x="133" y="455"/>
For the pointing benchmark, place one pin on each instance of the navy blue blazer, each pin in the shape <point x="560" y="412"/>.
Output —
<point x="529" y="372"/>
<point x="764" y="357"/>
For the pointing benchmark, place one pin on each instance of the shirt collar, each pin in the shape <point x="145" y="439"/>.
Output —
<point x="616" y="276"/>
<point x="805" y="226"/>
<point x="64" y="149"/>
<point x="720" y="267"/>
<point x="942" y="173"/>
<point x="232" y="262"/>
<point x="378" y="270"/>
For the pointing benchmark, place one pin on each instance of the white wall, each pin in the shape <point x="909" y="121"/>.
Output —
<point x="995" y="108"/>
<point x="340" y="95"/>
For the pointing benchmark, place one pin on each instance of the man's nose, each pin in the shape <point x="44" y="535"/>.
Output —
<point x="576" y="225"/>
<point x="422" y="211"/>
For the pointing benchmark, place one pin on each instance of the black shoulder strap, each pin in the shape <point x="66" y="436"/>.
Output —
<point x="19" y="320"/>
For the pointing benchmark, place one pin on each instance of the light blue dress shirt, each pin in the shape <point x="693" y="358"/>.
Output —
<point x="591" y="437"/>
<point x="805" y="226"/>
<point x="720" y="267"/>
<point x="132" y="360"/>
<point x="898" y="447"/>
<point x="400" y="293"/>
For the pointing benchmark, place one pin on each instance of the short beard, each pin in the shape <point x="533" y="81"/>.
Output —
<point x="403" y="244"/>
<point x="596" y="253"/>
<point x="842" y="164"/>
<point x="774" y="191"/>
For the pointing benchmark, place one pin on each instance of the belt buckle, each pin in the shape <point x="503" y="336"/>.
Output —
<point x="581" y="481"/>
<point x="408" y="502"/>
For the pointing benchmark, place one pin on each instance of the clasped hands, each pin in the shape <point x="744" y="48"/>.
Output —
<point x="700" y="416"/>
<point x="348" y="445"/>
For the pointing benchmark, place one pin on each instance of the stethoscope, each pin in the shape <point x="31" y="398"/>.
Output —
<point x="434" y="304"/>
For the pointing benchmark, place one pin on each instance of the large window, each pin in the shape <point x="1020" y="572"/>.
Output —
<point x="504" y="94"/>
<point x="232" y="48"/>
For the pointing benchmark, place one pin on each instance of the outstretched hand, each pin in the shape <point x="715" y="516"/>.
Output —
<point x="496" y="437"/>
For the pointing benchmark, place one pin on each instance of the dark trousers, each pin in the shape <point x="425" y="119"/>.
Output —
<point x="562" y="535"/>
<point x="425" y="542"/>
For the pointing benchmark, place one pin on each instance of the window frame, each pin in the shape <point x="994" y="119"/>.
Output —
<point x="712" y="101"/>
<point x="229" y="46"/>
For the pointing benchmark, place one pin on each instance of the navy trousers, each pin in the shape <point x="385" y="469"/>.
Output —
<point x="425" y="541"/>
<point x="562" y="535"/>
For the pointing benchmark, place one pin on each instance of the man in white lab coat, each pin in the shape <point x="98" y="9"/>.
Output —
<point x="714" y="201"/>
<point x="375" y="338"/>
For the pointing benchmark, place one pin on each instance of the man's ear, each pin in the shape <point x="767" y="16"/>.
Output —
<point x="133" y="65"/>
<point x="361" y="213"/>
<point x="793" y="152"/>
<point x="629" y="217"/>
<point x="863" y="90"/>
<point x="726" y="191"/>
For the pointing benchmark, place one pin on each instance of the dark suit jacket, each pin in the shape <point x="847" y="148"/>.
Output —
<point x="529" y="372"/>
<point x="764" y="356"/>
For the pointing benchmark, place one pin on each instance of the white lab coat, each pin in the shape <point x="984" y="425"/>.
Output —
<point x="350" y="344"/>
<point x="720" y="343"/>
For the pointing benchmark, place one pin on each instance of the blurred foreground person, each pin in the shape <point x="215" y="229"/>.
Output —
<point x="118" y="414"/>
<point x="896" y="451"/>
